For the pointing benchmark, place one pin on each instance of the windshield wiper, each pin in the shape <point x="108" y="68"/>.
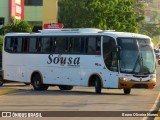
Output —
<point x="137" y="61"/>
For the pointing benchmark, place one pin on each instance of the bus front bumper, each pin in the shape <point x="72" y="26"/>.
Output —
<point x="125" y="84"/>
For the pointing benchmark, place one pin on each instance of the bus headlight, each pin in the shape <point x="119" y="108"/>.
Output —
<point x="123" y="79"/>
<point x="152" y="76"/>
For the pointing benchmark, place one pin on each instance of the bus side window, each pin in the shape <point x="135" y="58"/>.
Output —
<point x="75" y="45"/>
<point x="26" y="43"/>
<point x="60" y="44"/>
<point x="9" y="43"/>
<point x="93" y="45"/>
<point x="53" y="44"/>
<point x="98" y="45"/>
<point x="108" y="45"/>
<point x="45" y="44"/>
<point x="33" y="45"/>
<point x="17" y="47"/>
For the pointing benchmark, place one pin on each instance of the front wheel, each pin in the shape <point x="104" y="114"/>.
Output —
<point x="127" y="91"/>
<point x="98" y="86"/>
<point x="37" y="83"/>
<point x="159" y="61"/>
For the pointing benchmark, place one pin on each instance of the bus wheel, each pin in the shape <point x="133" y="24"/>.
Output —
<point x="65" y="87"/>
<point x="159" y="61"/>
<point x="98" y="86"/>
<point x="37" y="83"/>
<point x="127" y="91"/>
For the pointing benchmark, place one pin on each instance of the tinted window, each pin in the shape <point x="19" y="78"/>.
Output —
<point x="9" y="44"/>
<point x="33" y="2"/>
<point x="45" y="44"/>
<point x="93" y="45"/>
<point x="18" y="45"/>
<point x="109" y="45"/>
<point x="13" y="44"/>
<point x="33" y="44"/>
<point x="75" y="44"/>
<point x="61" y="44"/>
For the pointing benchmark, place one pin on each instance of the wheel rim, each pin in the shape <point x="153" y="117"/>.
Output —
<point x="37" y="83"/>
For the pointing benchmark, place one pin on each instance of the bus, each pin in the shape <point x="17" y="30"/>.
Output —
<point x="86" y="57"/>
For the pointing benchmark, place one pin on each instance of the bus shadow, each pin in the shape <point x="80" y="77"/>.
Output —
<point x="67" y="93"/>
<point x="54" y="91"/>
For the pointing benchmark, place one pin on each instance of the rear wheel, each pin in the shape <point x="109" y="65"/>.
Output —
<point x="98" y="86"/>
<point x="37" y="83"/>
<point x="127" y="91"/>
<point x="65" y="87"/>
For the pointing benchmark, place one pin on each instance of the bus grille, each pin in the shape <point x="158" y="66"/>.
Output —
<point x="140" y="86"/>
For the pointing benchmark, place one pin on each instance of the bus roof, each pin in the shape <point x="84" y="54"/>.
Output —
<point x="81" y="31"/>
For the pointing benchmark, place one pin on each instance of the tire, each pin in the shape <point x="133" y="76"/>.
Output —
<point x="127" y="91"/>
<point x="65" y="87"/>
<point x="37" y="83"/>
<point x="159" y="61"/>
<point x="45" y="87"/>
<point x="98" y="86"/>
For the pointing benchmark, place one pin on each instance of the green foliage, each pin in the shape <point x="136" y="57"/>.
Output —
<point x="103" y="14"/>
<point x="150" y="29"/>
<point x="1" y="44"/>
<point x="16" y="26"/>
<point x="156" y="40"/>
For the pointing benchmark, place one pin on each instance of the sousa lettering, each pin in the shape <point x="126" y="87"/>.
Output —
<point x="63" y="60"/>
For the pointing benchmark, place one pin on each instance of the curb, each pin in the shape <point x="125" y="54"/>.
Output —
<point x="2" y="92"/>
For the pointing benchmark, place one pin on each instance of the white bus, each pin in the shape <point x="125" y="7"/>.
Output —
<point x="80" y="57"/>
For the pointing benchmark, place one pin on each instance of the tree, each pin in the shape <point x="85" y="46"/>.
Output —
<point x="16" y="26"/>
<point x="1" y="44"/>
<point x="103" y="14"/>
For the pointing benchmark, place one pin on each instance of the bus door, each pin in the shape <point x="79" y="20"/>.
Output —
<point x="111" y="61"/>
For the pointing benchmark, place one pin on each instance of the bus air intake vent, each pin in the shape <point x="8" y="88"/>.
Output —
<point x="140" y="86"/>
<point x="142" y="76"/>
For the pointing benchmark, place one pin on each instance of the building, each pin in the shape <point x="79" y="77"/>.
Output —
<point x="36" y="12"/>
<point x="50" y="11"/>
<point x="9" y="8"/>
<point x="33" y="13"/>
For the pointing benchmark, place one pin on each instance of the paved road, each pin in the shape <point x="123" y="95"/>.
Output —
<point x="80" y="99"/>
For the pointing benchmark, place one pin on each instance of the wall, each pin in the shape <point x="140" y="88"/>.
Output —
<point x="4" y="10"/>
<point x="33" y="13"/>
<point x="50" y="11"/>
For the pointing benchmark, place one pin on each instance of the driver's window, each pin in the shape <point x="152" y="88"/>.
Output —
<point x="108" y="53"/>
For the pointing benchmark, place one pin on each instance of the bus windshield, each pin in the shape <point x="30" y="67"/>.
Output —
<point x="136" y="56"/>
